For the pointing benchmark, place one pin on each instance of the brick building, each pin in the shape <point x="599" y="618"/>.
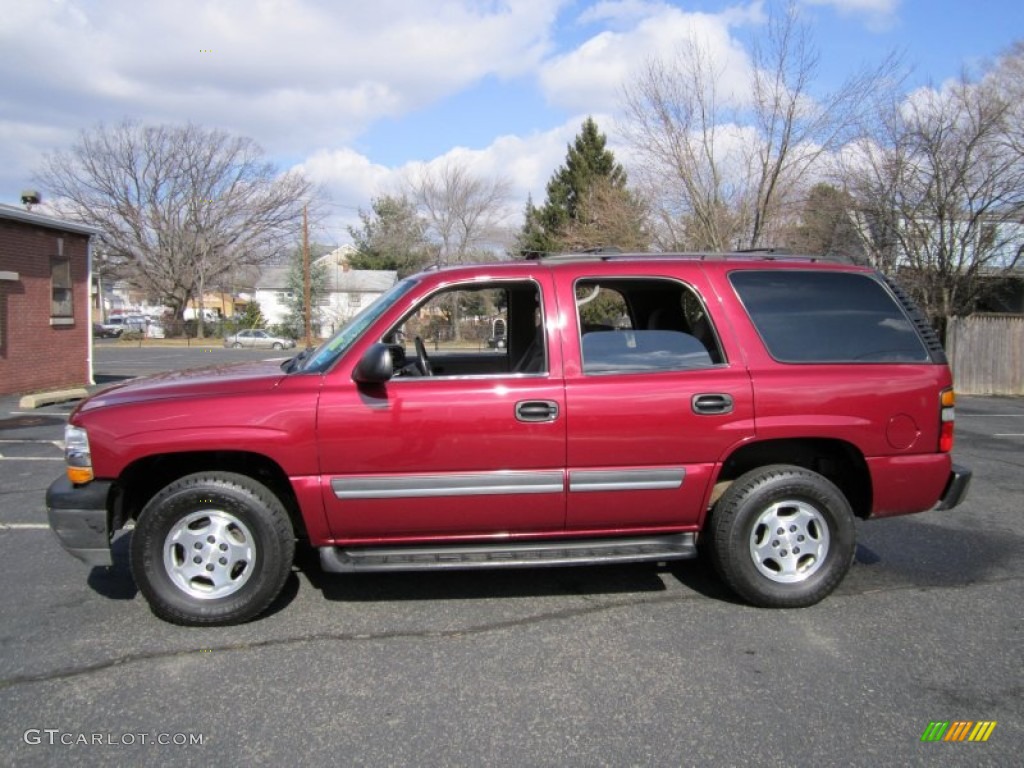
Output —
<point x="45" y="311"/>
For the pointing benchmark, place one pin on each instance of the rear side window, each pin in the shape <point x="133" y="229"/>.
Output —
<point x="643" y="325"/>
<point x="827" y="317"/>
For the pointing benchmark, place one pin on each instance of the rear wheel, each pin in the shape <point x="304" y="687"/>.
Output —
<point x="782" y="536"/>
<point x="212" y="548"/>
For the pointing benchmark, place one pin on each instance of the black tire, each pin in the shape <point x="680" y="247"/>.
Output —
<point x="278" y="345"/>
<point x="782" y="537"/>
<point x="212" y="548"/>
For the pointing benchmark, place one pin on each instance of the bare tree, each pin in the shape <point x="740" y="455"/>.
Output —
<point x="673" y="116"/>
<point x="464" y="213"/>
<point x="721" y="169"/>
<point x="940" y="193"/>
<point x="183" y="205"/>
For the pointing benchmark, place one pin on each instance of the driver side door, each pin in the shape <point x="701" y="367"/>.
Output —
<point x="474" y="449"/>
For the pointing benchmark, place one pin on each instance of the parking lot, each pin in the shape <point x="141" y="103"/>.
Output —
<point x="625" y="665"/>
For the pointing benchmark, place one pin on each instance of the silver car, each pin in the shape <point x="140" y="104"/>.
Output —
<point x="258" y="339"/>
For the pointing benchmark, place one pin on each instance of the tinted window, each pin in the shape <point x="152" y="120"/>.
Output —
<point x="827" y="317"/>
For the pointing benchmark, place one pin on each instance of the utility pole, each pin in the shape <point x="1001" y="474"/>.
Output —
<point x="306" y="287"/>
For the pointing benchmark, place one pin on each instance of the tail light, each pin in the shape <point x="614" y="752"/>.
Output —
<point x="947" y="399"/>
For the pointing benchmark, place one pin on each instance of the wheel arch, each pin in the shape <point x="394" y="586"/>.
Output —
<point x="839" y="461"/>
<point x="144" y="478"/>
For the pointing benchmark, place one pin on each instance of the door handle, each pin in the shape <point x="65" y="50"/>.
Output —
<point x="536" y="410"/>
<point x="711" y="404"/>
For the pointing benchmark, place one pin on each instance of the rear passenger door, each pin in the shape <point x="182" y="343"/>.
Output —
<point x="653" y="403"/>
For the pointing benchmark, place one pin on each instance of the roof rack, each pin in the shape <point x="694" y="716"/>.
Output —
<point x="766" y="254"/>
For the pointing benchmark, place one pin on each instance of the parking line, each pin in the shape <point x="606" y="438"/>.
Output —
<point x="24" y="526"/>
<point x="31" y="458"/>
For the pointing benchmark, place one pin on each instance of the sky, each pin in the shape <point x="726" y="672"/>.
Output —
<point x="358" y="94"/>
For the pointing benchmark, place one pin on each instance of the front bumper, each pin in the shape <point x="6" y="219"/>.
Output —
<point x="956" y="488"/>
<point x="78" y="515"/>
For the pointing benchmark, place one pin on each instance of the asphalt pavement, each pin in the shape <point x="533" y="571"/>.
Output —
<point x="627" y="665"/>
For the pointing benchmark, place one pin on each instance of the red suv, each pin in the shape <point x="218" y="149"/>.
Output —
<point x="641" y="406"/>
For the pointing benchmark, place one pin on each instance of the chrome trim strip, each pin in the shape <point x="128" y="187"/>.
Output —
<point x="448" y="484"/>
<point x="590" y="480"/>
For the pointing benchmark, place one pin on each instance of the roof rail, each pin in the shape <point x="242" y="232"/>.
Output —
<point x="767" y="254"/>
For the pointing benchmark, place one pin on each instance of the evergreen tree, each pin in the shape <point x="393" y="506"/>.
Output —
<point x="252" y="317"/>
<point x="391" y="236"/>
<point x="826" y="225"/>
<point x="295" y="320"/>
<point x="587" y="203"/>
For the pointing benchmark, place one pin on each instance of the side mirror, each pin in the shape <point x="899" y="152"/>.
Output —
<point x="375" y="366"/>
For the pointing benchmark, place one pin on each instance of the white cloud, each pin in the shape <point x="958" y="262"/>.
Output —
<point x="295" y="74"/>
<point x="859" y="6"/>
<point x="592" y="76"/>
<point x="352" y="180"/>
<point x="622" y="11"/>
<point x="879" y="14"/>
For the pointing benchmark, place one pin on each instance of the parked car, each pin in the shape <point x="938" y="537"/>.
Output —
<point x="258" y="339"/>
<point x="100" y="331"/>
<point x="643" y="406"/>
<point x="122" y="323"/>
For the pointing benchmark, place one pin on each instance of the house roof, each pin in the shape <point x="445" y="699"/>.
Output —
<point x="13" y="213"/>
<point x="338" y="280"/>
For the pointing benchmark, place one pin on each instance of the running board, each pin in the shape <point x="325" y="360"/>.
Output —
<point x="508" y="554"/>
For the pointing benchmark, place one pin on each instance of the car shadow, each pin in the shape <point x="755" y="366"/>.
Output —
<point x="920" y="552"/>
<point x="115" y="582"/>
<point x="584" y="580"/>
<point x="894" y="553"/>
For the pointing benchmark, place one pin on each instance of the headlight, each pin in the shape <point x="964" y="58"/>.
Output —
<point x="77" y="455"/>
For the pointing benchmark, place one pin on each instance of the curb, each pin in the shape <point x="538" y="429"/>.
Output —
<point x="49" y="398"/>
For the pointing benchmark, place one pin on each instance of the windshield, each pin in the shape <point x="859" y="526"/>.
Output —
<point x="323" y="357"/>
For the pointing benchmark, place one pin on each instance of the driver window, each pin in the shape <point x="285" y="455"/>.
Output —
<point x="472" y="331"/>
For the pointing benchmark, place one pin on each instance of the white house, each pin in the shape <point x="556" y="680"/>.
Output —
<point x="348" y="290"/>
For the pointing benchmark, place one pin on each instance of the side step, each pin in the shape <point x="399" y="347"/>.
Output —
<point x="509" y="554"/>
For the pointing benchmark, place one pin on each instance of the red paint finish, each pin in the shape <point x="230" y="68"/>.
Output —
<point x="419" y="426"/>
<point x="322" y="429"/>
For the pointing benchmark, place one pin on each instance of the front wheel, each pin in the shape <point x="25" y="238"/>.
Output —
<point x="212" y="548"/>
<point x="782" y="536"/>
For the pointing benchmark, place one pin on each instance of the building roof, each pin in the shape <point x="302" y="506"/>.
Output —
<point x="13" y="213"/>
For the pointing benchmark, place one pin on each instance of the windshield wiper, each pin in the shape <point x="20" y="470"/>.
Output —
<point x="295" y="363"/>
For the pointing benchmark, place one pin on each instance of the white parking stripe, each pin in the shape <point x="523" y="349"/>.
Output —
<point x="57" y="443"/>
<point x="129" y="526"/>
<point x="31" y="458"/>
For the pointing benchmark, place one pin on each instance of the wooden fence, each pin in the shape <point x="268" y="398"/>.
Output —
<point x="986" y="353"/>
